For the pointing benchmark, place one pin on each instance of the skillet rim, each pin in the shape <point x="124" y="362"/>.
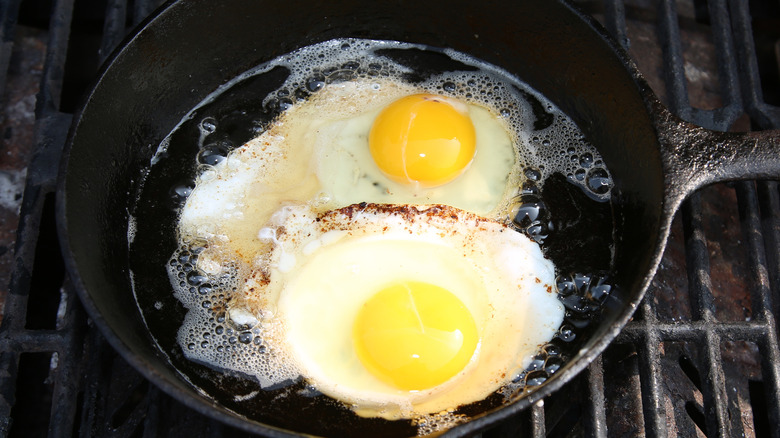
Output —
<point x="201" y="404"/>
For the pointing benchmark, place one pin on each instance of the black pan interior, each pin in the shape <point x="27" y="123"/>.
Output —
<point x="193" y="47"/>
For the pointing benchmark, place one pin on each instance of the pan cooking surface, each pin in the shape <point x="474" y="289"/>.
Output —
<point x="559" y="206"/>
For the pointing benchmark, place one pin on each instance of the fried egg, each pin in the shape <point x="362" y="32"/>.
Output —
<point x="319" y="153"/>
<point x="398" y="311"/>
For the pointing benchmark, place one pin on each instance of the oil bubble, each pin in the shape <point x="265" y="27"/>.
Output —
<point x="551" y="350"/>
<point x="196" y="279"/>
<point x="340" y="76"/>
<point x="552" y="365"/>
<point x="213" y="154"/>
<point x="180" y="193"/>
<point x="351" y="65"/>
<point x="284" y="104"/>
<point x="598" y="181"/>
<point x="529" y="188"/>
<point x="301" y="94"/>
<point x="565" y="285"/>
<point x="535" y="378"/>
<point x="536" y="364"/>
<point x="208" y="125"/>
<point x="566" y="333"/>
<point x="532" y="174"/>
<point x="315" y="83"/>
<point x="529" y="212"/>
<point x="586" y="160"/>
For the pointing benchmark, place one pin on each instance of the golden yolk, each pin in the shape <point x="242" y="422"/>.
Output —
<point x="423" y="140"/>
<point x="414" y="335"/>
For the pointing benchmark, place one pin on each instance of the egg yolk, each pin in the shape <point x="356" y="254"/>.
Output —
<point x="414" y="335"/>
<point x="423" y="140"/>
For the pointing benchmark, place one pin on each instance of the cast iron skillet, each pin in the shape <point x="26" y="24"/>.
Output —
<point x="192" y="47"/>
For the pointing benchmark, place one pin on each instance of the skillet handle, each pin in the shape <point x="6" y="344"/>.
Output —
<point x="694" y="157"/>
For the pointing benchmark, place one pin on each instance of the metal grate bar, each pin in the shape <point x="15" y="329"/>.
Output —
<point x="57" y="50"/>
<point x="748" y="210"/>
<point x="714" y="389"/>
<point x="34" y="341"/>
<point x="761" y="300"/>
<point x="722" y="118"/>
<point x="114" y="27"/>
<point x="9" y="11"/>
<point x="669" y="35"/>
<point x="750" y="331"/>
<point x="700" y="288"/>
<point x="699" y="282"/>
<point x="650" y="376"/>
<point x="765" y="116"/>
<point x="538" y="429"/>
<point x="596" y="414"/>
<point x="143" y="8"/>
<point x="615" y="21"/>
<point x="67" y="374"/>
<point x="769" y="201"/>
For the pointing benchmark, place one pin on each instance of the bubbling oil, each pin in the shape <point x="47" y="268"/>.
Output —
<point x="554" y="154"/>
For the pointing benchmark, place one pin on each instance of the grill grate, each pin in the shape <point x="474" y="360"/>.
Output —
<point x="700" y="357"/>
